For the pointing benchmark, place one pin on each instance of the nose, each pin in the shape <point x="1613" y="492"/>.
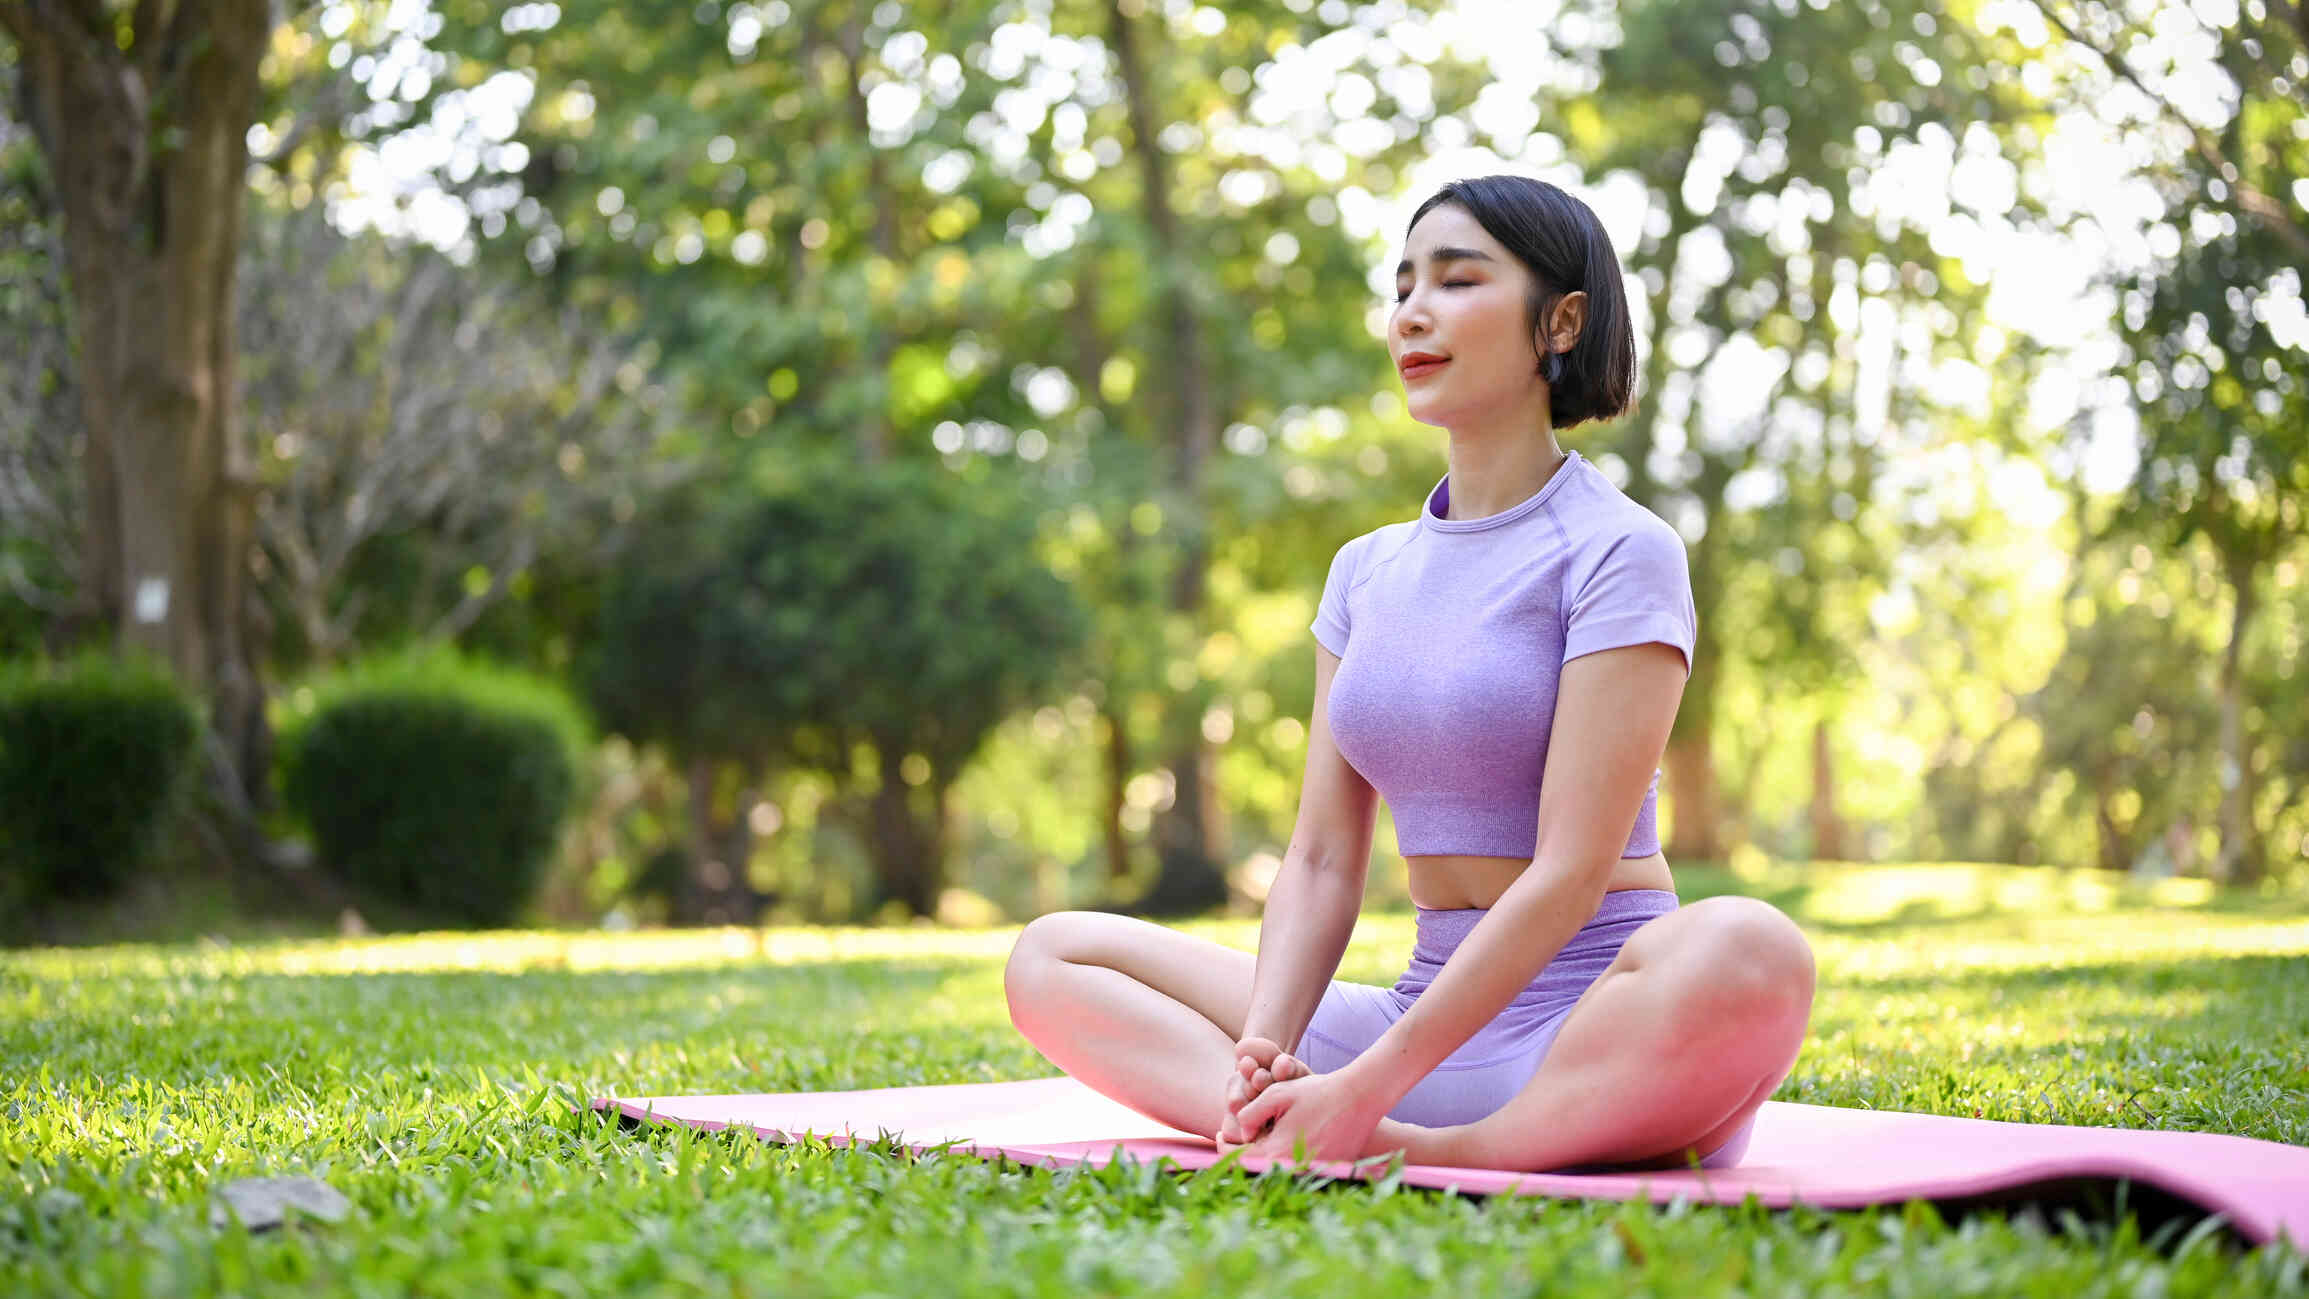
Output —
<point x="1410" y="317"/>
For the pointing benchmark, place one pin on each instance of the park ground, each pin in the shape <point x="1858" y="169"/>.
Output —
<point x="433" y="1079"/>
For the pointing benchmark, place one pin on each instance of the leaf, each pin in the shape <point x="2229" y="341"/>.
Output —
<point x="263" y="1203"/>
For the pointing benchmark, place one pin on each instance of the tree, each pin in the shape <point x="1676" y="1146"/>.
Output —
<point x="1770" y="256"/>
<point x="39" y="401"/>
<point x="1219" y="268"/>
<point x="2210" y="319"/>
<point x="2134" y="739"/>
<point x="1000" y="248"/>
<point x="142" y="119"/>
<point x="426" y="433"/>
<point x="835" y="614"/>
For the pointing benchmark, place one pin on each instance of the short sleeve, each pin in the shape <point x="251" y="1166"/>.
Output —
<point x="1330" y="625"/>
<point x="1639" y="591"/>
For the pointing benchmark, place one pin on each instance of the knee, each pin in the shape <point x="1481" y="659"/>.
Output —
<point x="1754" y="961"/>
<point x="1041" y="947"/>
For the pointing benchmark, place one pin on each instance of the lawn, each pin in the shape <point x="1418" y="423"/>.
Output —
<point x="431" y="1079"/>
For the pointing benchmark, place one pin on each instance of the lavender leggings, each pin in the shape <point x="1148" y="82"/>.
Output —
<point x="1492" y="1066"/>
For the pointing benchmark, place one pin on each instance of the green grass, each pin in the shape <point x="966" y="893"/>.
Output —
<point x="429" y="1078"/>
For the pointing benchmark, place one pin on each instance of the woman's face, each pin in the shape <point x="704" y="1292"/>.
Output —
<point x="1460" y="296"/>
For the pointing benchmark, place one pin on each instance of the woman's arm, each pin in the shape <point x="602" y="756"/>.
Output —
<point x="1613" y="712"/>
<point x="1311" y="907"/>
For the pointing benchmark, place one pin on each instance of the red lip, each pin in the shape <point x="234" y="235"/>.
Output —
<point x="1416" y="364"/>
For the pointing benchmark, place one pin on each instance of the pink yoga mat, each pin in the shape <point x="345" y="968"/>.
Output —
<point x="1818" y="1155"/>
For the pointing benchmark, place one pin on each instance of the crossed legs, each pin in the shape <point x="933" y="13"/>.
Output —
<point x="1665" y="1056"/>
<point x="1144" y="1015"/>
<point x="1687" y="1032"/>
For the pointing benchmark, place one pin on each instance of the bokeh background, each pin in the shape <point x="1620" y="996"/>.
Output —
<point x="902" y="444"/>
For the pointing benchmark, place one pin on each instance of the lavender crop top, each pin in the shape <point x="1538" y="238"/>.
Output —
<point x="1452" y="636"/>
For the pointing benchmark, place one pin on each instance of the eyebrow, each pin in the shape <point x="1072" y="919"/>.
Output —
<point x="1441" y="255"/>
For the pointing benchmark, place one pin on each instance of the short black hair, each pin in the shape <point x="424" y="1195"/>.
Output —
<point x="1563" y="243"/>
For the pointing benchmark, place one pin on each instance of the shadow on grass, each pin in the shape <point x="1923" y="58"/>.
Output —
<point x="2200" y="1044"/>
<point x="2253" y="975"/>
<point x="726" y="1028"/>
<point x="1916" y="914"/>
<point x="1694" y="883"/>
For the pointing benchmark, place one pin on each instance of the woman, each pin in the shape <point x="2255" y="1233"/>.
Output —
<point x="1504" y="671"/>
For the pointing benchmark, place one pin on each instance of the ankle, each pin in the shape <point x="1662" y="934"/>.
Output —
<point x="1459" y="1145"/>
<point x="1420" y="1145"/>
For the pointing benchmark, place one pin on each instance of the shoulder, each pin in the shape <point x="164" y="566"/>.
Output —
<point x="1597" y="510"/>
<point x="1356" y="560"/>
<point x="1607" y="528"/>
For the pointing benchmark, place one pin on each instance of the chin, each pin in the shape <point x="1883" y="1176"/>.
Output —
<point x="1429" y="413"/>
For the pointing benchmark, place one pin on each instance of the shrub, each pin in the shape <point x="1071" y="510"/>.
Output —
<point x="770" y="628"/>
<point x="95" y="755"/>
<point x="433" y="784"/>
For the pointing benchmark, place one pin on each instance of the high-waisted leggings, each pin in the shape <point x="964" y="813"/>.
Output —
<point x="1493" y="1065"/>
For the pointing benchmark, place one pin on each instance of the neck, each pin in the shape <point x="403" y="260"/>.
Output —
<point x="1499" y="469"/>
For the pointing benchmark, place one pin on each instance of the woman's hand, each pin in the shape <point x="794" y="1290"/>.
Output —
<point x="1259" y="1063"/>
<point x="1324" y="1112"/>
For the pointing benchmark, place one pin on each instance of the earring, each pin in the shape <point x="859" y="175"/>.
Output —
<point x="1553" y="368"/>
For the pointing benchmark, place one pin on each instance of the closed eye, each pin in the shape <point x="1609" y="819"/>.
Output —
<point x="1449" y="284"/>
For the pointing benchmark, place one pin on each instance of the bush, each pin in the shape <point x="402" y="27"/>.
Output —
<point x="95" y="755"/>
<point x="433" y="784"/>
<point x="768" y="628"/>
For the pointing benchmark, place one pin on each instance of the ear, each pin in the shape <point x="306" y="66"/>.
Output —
<point x="1567" y="321"/>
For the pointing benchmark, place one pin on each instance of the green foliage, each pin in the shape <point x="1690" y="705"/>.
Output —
<point x="472" y="503"/>
<point x="2208" y="368"/>
<point x="2210" y="319"/>
<point x="835" y="612"/>
<point x="94" y="757"/>
<point x="982" y="284"/>
<point x="730" y="184"/>
<point x="1763" y="134"/>
<point x="836" y="608"/>
<point x="433" y="1080"/>
<point x="434" y="784"/>
<point x="40" y="469"/>
<point x="2137" y="741"/>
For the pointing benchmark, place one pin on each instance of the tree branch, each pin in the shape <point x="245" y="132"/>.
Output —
<point x="521" y="552"/>
<point x="30" y="21"/>
<point x="148" y="35"/>
<point x="329" y="114"/>
<point x="2266" y="209"/>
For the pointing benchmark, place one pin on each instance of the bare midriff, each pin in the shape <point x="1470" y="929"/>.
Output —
<point x="1444" y="883"/>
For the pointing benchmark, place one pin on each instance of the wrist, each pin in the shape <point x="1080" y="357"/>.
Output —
<point x="1374" y="1078"/>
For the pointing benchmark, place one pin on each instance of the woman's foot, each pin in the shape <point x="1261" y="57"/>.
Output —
<point x="1419" y="1145"/>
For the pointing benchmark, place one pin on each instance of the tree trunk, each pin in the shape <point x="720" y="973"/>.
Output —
<point x="1091" y="354"/>
<point x="1189" y="874"/>
<point x="2238" y="861"/>
<point x="2113" y="854"/>
<point x="708" y="877"/>
<point x="716" y="890"/>
<point x="1190" y="877"/>
<point x="1698" y="818"/>
<point x="1118" y="767"/>
<point x="1640" y="434"/>
<point x="147" y="149"/>
<point x="1827" y="826"/>
<point x="1695" y="805"/>
<point x="735" y="849"/>
<point x="907" y="835"/>
<point x="1692" y="793"/>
